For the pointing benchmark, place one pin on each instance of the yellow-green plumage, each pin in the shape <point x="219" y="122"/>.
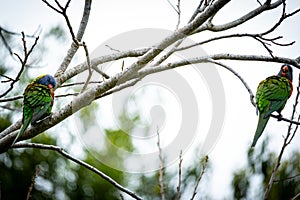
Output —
<point x="272" y="95"/>
<point x="38" y="101"/>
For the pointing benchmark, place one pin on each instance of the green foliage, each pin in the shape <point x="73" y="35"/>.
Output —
<point x="241" y="184"/>
<point x="5" y="121"/>
<point x="57" y="32"/>
<point x="149" y="186"/>
<point x="120" y="139"/>
<point x="58" y="178"/>
<point x="260" y="164"/>
<point x="189" y="178"/>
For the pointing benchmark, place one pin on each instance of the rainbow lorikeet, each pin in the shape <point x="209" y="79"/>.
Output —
<point x="38" y="101"/>
<point x="271" y="95"/>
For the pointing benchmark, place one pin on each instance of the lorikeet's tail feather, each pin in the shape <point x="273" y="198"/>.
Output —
<point x="262" y="122"/>
<point x="22" y="130"/>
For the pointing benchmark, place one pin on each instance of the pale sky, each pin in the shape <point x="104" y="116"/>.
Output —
<point x="111" y="18"/>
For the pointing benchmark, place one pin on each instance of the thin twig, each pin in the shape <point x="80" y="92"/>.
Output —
<point x="174" y="8"/>
<point x="11" y="98"/>
<point x="7" y="107"/>
<point x="4" y="40"/>
<point x="179" y="175"/>
<point x="296" y="197"/>
<point x="80" y="162"/>
<point x="284" y="15"/>
<point x="23" y="63"/>
<point x="179" y="42"/>
<point x="178" y="14"/>
<point x="7" y="77"/>
<point x="78" y="83"/>
<point x="161" y="168"/>
<point x="101" y="72"/>
<point x="120" y="87"/>
<point x="66" y="95"/>
<point x="239" y="77"/>
<point x="63" y="11"/>
<point x="258" y="37"/>
<point x="204" y="165"/>
<point x="236" y="22"/>
<point x="90" y="72"/>
<point x="112" y="49"/>
<point x="287" y="179"/>
<point x="74" y="46"/>
<point x="259" y="2"/>
<point x="37" y="171"/>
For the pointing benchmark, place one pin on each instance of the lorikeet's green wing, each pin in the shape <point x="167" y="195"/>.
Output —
<point x="272" y="94"/>
<point x="37" y="104"/>
<point x="38" y="97"/>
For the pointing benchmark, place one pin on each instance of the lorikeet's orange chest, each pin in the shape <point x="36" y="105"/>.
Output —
<point x="291" y="85"/>
<point x="52" y="93"/>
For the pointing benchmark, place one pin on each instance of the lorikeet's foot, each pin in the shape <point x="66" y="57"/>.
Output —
<point x="279" y="117"/>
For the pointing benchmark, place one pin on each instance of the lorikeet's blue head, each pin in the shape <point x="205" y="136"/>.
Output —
<point x="47" y="80"/>
<point x="286" y="71"/>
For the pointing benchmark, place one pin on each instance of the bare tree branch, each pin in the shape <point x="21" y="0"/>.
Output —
<point x="178" y="35"/>
<point x="201" y="20"/>
<point x="179" y="42"/>
<point x="60" y="151"/>
<point x="120" y="78"/>
<point x="296" y="196"/>
<point x="74" y="46"/>
<point x="63" y="11"/>
<point x="23" y="63"/>
<point x="284" y="16"/>
<point x="172" y="6"/>
<point x="202" y="5"/>
<point x="179" y="176"/>
<point x="178" y="14"/>
<point x="239" y="77"/>
<point x="216" y="28"/>
<point x="161" y="168"/>
<point x="7" y="107"/>
<point x="67" y="94"/>
<point x="78" y="83"/>
<point x="11" y="98"/>
<point x="4" y="40"/>
<point x="287" y="179"/>
<point x="37" y="171"/>
<point x="204" y="165"/>
<point x="88" y="62"/>
<point x="101" y="72"/>
<point x="7" y="77"/>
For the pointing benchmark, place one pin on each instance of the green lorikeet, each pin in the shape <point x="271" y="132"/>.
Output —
<point x="271" y="95"/>
<point x="38" y="101"/>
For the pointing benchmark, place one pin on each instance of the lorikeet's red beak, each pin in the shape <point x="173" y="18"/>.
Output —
<point x="50" y="86"/>
<point x="285" y="70"/>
